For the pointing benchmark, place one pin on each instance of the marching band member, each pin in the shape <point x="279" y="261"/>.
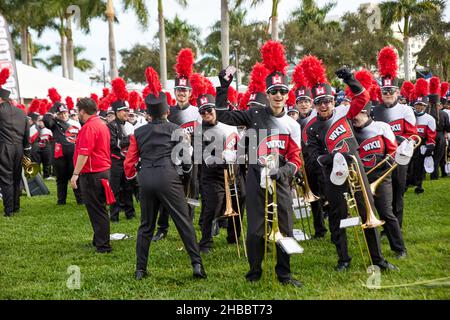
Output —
<point x="399" y="116"/>
<point x="14" y="144"/>
<point x="426" y="129"/>
<point x="307" y="116"/>
<point x="442" y="124"/>
<point x="120" y="141"/>
<point x="159" y="180"/>
<point x="329" y="137"/>
<point x="277" y="133"/>
<point x="65" y="133"/>
<point x="376" y="141"/>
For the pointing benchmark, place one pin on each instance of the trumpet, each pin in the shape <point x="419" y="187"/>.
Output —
<point x="30" y="168"/>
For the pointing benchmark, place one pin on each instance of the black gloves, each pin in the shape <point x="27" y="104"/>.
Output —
<point x="286" y="171"/>
<point x="224" y="83"/>
<point x="345" y="74"/>
<point x="54" y="108"/>
<point x="299" y="179"/>
<point x="325" y="160"/>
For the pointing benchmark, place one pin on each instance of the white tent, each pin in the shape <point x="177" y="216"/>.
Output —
<point x="34" y="83"/>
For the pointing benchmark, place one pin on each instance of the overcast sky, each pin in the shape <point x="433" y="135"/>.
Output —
<point x="202" y="13"/>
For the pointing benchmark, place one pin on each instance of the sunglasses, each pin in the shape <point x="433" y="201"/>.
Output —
<point x="181" y="90"/>
<point x="205" y="111"/>
<point x="282" y="91"/>
<point x="325" y="101"/>
<point x="390" y="91"/>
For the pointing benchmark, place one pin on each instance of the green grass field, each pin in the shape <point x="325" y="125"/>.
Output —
<point x="38" y="245"/>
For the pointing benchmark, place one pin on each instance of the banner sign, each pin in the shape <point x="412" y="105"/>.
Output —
<point x="7" y="60"/>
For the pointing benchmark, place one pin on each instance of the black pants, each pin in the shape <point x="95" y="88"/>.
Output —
<point x="416" y="170"/>
<point x="122" y="189"/>
<point x="10" y="176"/>
<point x="339" y="211"/>
<point x="162" y="186"/>
<point x="439" y="152"/>
<point x="64" y="170"/>
<point x="95" y="201"/>
<point x="255" y="196"/>
<point x="315" y="180"/>
<point x="398" y="190"/>
<point x="383" y="204"/>
<point x="44" y="156"/>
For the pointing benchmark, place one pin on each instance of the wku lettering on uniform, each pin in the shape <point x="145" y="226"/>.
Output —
<point x="372" y="146"/>
<point x="337" y="132"/>
<point x="396" y="127"/>
<point x="280" y="144"/>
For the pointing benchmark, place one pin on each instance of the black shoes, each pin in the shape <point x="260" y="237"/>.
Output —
<point x="140" y="274"/>
<point x="131" y="216"/>
<point x="159" y="236"/>
<point x="419" y="190"/>
<point x="318" y="236"/>
<point x="385" y="265"/>
<point x="60" y="203"/>
<point x="401" y="255"/>
<point x="292" y="282"/>
<point x="342" y="266"/>
<point x="198" y="271"/>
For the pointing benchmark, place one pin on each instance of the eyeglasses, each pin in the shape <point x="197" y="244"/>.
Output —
<point x="182" y="90"/>
<point x="324" y="101"/>
<point x="205" y="111"/>
<point x="387" y="91"/>
<point x="282" y="91"/>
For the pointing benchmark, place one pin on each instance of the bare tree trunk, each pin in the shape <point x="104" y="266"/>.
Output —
<point x="406" y="57"/>
<point x="225" y="33"/>
<point x="24" y="45"/>
<point x="112" y="44"/>
<point x="29" y="49"/>
<point x="162" y="46"/>
<point x="274" y="22"/>
<point x="63" y="54"/>
<point x="69" y="48"/>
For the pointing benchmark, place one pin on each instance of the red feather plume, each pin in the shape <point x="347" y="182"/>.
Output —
<point x="34" y="106"/>
<point x="313" y="70"/>
<point x="95" y="98"/>
<point x="119" y="89"/>
<point x="105" y="92"/>
<point x="444" y="88"/>
<point x="407" y="90"/>
<point x="153" y="84"/>
<point x="232" y="96"/>
<point x="54" y="95"/>
<point x="185" y="63"/>
<point x="435" y="85"/>
<point x="243" y="103"/>
<point x="199" y="87"/>
<point x="258" y="76"/>
<point x="273" y="56"/>
<point x="44" y="106"/>
<point x="365" y="77"/>
<point x="298" y="78"/>
<point x="4" y="75"/>
<point x="22" y="107"/>
<point x="421" y="88"/>
<point x="134" y="100"/>
<point x="170" y="100"/>
<point x="291" y="98"/>
<point x="387" y="62"/>
<point x="69" y="103"/>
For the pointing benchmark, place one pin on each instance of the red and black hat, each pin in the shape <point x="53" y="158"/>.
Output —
<point x="155" y="100"/>
<point x="444" y="90"/>
<point x="4" y="75"/>
<point x="206" y="101"/>
<point x="121" y="94"/>
<point x="55" y="98"/>
<point x="421" y="91"/>
<point x="315" y="77"/>
<point x="407" y="91"/>
<point x="184" y="69"/>
<point x="274" y="59"/>
<point x="200" y="86"/>
<point x="388" y="67"/>
<point x="33" y="109"/>
<point x="300" y="88"/>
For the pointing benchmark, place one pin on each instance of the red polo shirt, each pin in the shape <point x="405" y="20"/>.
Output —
<point x="93" y="141"/>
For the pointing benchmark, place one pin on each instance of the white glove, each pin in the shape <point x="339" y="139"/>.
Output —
<point x="264" y="174"/>
<point x="229" y="156"/>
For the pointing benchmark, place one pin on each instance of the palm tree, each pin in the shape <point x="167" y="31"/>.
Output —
<point x="79" y="63"/>
<point x="310" y="12"/>
<point x="273" y="17"/>
<point x="406" y="10"/>
<point x="225" y="33"/>
<point x="141" y="12"/>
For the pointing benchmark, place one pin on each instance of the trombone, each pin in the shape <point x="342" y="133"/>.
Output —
<point x="356" y="184"/>
<point x="230" y="179"/>
<point x="30" y="168"/>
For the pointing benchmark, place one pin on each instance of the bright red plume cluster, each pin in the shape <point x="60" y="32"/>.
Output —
<point x="170" y="100"/>
<point x="258" y="76"/>
<point x="435" y="85"/>
<point x="421" y="88"/>
<point x="119" y="89"/>
<point x="387" y="62"/>
<point x="22" y="107"/>
<point x="200" y="85"/>
<point x="298" y="78"/>
<point x="313" y="70"/>
<point x="44" y="106"/>
<point x="444" y="88"/>
<point x="185" y="63"/>
<point x="134" y="100"/>
<point x="366" y="78"/>
<point x="153" y="84"/>
<point x="54" y="95"/>
<point x="232" y="96"/>
<point x="34" y="106"/>
<point x="105" y="92"/>
<point x="291" y="98"/>
<point x="273" y="56"/>
<point x="95" y="98"/>
<point x="69" y="103"/>
<point x="4" y="75"/>
<point x="407" y="90"/>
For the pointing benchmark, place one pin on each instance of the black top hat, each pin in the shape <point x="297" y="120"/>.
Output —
<point x="389" y="82"/>
<point x="322" y="90"/>
<point x="205" y="101"/>
<point x="60" y="107"/>
<point x="120" y="105"/>
<point x="276" y="80"/>
<point x="434" y="98"/>
<point x="4" y="94"/>
<point x="182" y="83"/>
<point x="292" y="109"/>
<point x="422" y="100"/>
<point x="258" y="99"/>
<point x="303" y="93"/>
<point x="156" y="105"/>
